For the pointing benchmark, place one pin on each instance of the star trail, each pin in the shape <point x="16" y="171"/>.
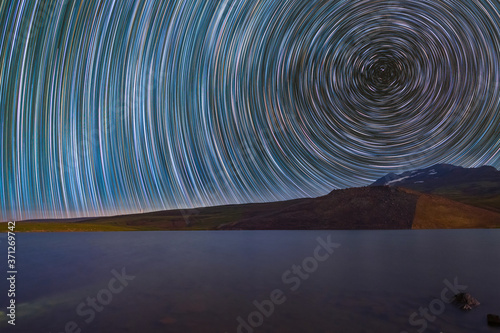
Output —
<point x="111" y="107"/>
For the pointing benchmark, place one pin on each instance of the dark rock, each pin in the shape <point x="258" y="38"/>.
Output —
<point x="493" y="320"/>
<point x="465" y="301"/>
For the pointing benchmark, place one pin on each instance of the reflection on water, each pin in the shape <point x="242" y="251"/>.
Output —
<point x="217" y="281"/>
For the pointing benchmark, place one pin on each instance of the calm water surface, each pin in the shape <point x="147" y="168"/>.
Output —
<point x="203" y="281"/>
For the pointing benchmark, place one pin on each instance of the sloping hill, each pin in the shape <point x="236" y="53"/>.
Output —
<point x="378" y="207"/>
<point x="435" y="212"/>
<point x="205" y="218"/>
<point x="374" y="207"/>
<point x="355" y="208"/>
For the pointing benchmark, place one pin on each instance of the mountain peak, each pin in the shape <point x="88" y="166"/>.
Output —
<point x="437" y="171"/>
<point x="475" y="186"/>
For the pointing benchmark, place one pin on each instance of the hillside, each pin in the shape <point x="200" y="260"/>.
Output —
<point x="355" y="208"/>
<point x="380" y="207"/>
<point x="205" y="218"/>
<point x="374" y="207"/>
<point x="441" y="196"/>
<point x="435" y="212"/>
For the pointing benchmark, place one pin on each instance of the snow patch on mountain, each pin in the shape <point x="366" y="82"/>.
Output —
<point x="397" y="180"/>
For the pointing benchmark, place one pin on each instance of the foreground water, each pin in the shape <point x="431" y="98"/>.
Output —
<point x="366" y="281"/>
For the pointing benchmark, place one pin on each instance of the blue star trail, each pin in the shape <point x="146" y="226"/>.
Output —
<point x="112" y="107"/>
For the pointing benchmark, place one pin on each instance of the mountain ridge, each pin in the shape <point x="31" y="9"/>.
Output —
<point x="440" y="196"/>
<point x="473" y="186"/>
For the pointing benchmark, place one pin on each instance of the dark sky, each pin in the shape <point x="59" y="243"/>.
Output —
<point x="111" y="107"/>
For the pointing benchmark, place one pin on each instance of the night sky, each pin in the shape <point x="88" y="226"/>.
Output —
<point x="110" y="107"/>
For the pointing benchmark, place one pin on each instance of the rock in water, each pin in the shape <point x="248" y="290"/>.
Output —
<point x="493" y="320"/>
<point x="465" y="301"/>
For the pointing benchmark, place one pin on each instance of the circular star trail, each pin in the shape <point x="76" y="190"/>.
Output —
<point x="111" y="107"/>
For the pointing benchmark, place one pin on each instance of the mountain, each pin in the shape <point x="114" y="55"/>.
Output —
<point x="441" y="196"/>
<point x="478" y="187"/>
<point x="374" y="207"/>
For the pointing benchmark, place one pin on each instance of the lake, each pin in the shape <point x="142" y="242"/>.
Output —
<point x="253" y="281"/>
